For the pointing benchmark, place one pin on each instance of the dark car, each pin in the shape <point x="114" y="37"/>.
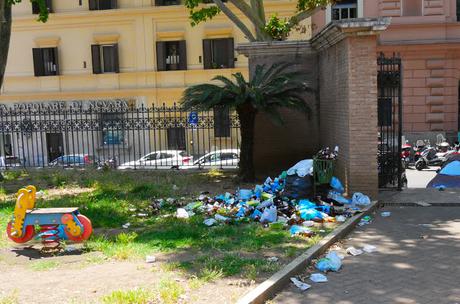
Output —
<point x="77" y="160"/>
<point x="449" y="174"/>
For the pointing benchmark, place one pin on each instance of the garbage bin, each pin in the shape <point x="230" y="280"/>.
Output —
<point x="323" y="170"/>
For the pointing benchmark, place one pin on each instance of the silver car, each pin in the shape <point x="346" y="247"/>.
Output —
<point x="167" y="159"/>
<point x="221" y="159"/>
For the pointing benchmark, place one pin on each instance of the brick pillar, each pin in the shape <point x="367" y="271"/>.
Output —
<point x="348" y="99"/>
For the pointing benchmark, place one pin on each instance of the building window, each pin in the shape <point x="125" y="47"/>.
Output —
<point x="98" y="5"/>
<point x="105" y="58"/>
<point x="176" y="139"/>
<point x="36" y="7"/>
<point x="171" y="55"/>
<point x="412" y="7"/>
<point x="167" y="2"/>
<point x="221" y="122"/>
<point x="46" y="62"/>
<point x="346" y="9"/>
<point x="218" y="53"/>
<point x="112" y="129"/>
<point x="458" y="10"/>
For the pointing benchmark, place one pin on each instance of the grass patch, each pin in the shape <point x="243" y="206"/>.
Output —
<point x="44" y="265"/>
<point x="10" y="299"/>
<point x="170" y="291"/>
<point x="135" y="296"/>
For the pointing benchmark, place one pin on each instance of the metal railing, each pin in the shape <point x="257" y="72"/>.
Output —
<point x="116" y="134"/>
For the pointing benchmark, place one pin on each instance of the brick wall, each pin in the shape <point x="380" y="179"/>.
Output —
<point x="348" y="110"/>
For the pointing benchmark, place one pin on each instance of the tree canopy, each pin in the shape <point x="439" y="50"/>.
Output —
<point x="254" y="11"/>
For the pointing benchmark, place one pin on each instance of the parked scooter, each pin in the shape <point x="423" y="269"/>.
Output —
<point x="419" y="147"/>
<point x="432" y="156"/>
<point x="405" y="155"/>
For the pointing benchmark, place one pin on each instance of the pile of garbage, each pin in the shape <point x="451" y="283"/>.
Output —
<point x="277" y="203"/>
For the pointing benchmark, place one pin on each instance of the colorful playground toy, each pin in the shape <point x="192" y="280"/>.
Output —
<point x="55" y="223"/>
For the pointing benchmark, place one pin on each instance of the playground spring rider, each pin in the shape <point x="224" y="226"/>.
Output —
<point x="55" y="223"/>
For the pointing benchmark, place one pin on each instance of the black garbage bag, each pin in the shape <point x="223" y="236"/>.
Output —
<point x="298" y="187"/>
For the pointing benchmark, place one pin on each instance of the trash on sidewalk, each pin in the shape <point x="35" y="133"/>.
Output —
<point x="301" y="285"/>
<point x="365" y="221"/>
<point x="385" y="214"/>
<point x="318" y="278"/>
<point x="340" y="218"/>
<point x="150" y="259"/>
<point x="126" y="226"/>
<point x="332" y="262"/>
<point x="353" y="251"/>
<point x="423" y="204"/>
<point x="369" y="248"/>
<point x="299" y="230"/>
<point x="360" y="199"/>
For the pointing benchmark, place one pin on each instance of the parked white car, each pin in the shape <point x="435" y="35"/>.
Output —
<point x="221" y="159"/>
<point x="166" y="159"/>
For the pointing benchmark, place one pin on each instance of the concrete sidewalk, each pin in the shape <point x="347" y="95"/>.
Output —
<point x="418" y="261"/>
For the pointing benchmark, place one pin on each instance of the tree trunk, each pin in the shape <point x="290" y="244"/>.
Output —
<point x="5" y="33"/>
<point x="247" y="117"/>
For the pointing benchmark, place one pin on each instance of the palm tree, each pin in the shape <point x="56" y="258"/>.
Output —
<point x="268" y="91"/>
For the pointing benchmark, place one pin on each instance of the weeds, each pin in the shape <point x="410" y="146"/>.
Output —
<point x="136" y="296"/>
<point x="44" y="265"/>
<point x="10" y="299"/>
<point x="170" y="291"/>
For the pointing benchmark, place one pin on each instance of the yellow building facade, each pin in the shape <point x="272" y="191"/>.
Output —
<point x="139" y="53"/>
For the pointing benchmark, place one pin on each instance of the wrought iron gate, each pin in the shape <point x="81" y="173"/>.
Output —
<point x="391" y="172"/>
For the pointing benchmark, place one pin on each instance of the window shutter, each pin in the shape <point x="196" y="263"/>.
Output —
<point x="49" y="5"/>
<point x="182" y="55"/>
<point x="161" y="56"/>
<point x="113" y="4"/>
<point x="35" y="8"/>
<point x="96" y="57"/>
<point x="231" y="53"/>
<point x="158" y="2"/>
<point x="92" y="5"/>
<point x="56" y="59"/>
<point x="39" y="67"/>
<point x="207" y="53"/>
<point x="116" y="58"/>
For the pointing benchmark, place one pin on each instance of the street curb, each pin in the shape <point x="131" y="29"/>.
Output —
<point x="415" y="204"/>
<point x="276" y="282"/>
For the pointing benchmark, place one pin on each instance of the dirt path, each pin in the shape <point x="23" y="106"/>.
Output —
<point x="86" y="277"/>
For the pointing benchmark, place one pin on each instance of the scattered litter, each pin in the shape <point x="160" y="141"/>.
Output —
<point x="175" y="188"/>
<point x="299" y="230"/>
<point x="340" y="218"/>
<point x="221" y="218"/>
<point x="273" y="259"/>
<point x="142" y="215"/>
<point x="126" y="226"/>
<point x="182" y="213"/>
<point x="365" y="221"/>
<point x="70" y="248"/>
<point x="423" y="204"/>
<point x="360" y="199"/>
<point x="337" y="185"/>
<point x="301" y="285"/>
<point x="210" y="222"/>
<point x="369" y="248"/>
<point x="353" y="251"/>
<point x="150" y="259"/>
<point x="40" y="194"/>
<point x="318" y="278"/>
<point x="308" y="224"/>
<point x="332" y="262"/>
<point x="385" y="214"/>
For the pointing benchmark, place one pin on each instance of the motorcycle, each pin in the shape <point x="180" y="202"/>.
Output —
<point x="432" y="156"/>
<point x="419" y="147"/>
<point x="405" y="155"/>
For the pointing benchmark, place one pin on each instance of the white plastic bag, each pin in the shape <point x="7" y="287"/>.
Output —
<point x="302" y="168"/>
<point x="360" y="199"/>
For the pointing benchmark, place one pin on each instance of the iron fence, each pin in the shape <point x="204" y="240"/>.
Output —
<point x="116" y="134"/>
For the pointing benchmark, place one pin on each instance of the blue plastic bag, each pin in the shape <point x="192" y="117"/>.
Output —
<point x="331" y="262"/>
<point x="258" y="191"/>
<point x="337" y="185"/>
<point x="338" y="197"/>
<point x="256" y="214"/>
<point x="295" y="229"/>
<point x="361" y="199"/>
<point x="245" y="194"/>
<point x="269" y="215"/>
<point x="310" y="214"/>
<point x="306" y="204"/>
